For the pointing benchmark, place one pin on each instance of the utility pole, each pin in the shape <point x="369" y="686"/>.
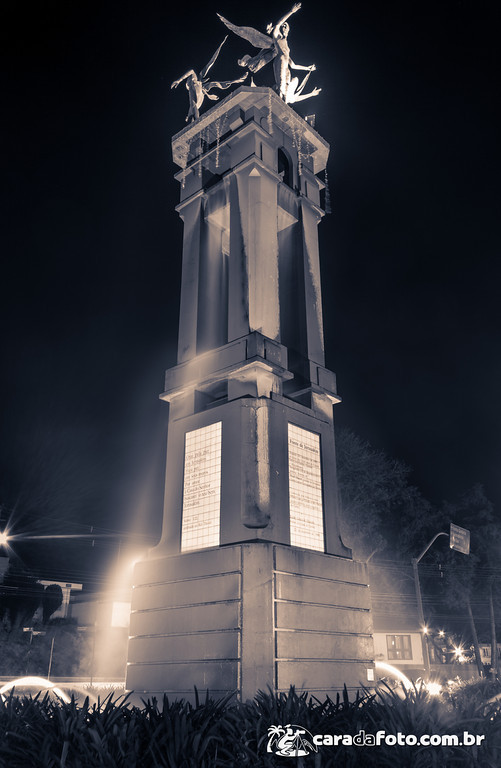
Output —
<point x="419" y="599"/>
<point x="51" y="657"/>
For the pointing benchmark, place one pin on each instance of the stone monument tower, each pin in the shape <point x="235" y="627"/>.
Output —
<point x="250" y="585"/>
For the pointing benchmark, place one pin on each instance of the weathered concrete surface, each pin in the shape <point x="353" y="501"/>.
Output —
<point x="246" y="617"/>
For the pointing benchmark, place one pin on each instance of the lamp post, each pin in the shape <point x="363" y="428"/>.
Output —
<point x="419" y="599"/>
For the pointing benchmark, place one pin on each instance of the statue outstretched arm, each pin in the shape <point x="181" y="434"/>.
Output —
<point x="295" y="8"/>
<point x="311" y="68"/>
<point x="253" y="36"/>
<point x="189" y="73"/>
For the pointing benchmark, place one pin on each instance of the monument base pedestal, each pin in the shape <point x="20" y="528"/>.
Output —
<point x="247" y="617"/>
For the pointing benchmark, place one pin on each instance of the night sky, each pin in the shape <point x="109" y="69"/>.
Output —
<point x="91" y="244"/>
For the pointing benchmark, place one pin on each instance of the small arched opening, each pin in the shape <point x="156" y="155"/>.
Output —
<point x="285" y="167"/>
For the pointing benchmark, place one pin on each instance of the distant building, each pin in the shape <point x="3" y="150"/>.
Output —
<point x="102" y="610"/>
<point x="398" y="641"/>
<point x="104" y="617"/>
<point x="485" y="653"/>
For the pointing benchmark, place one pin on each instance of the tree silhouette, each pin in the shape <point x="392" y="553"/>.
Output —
<point x="375" y="491"/>
<point x="52" y="599"/>
<point x="20" y="596"/>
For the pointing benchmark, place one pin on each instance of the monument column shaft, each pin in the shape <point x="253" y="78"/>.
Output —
<point x="251" y="585"/>
<point x="256" y="208"/>
<point x="227" y="294"/>
<point x="312" y="285"/>
<point x="213" y="286"/>
<point x="191" y="215"/>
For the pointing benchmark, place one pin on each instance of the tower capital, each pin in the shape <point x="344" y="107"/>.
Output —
<point x="208" y="140"/>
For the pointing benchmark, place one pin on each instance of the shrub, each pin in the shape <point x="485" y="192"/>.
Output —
<point x="41" y="732"/>
<point x="22" y="653"/>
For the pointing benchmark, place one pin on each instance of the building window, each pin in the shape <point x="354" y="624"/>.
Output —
<point x="399" y="647"/>
<point x="305" y="489"/>
<point x="202" y="488"/>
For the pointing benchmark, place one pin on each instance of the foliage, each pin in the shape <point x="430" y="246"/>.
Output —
<point x="43" y="732"/>
<point x="375" y="492"/>
<point x="381" y="511"/>
<point x="52" y="599"/>
<point x="20" y="596"/>
<point x="461" y="584"/>
<point x="26" y="653"/>
<point x="473" y="511"/>
<point x="472" y="696"/>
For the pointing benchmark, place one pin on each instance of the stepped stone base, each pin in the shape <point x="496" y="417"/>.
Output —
<point x="247" y="617"/>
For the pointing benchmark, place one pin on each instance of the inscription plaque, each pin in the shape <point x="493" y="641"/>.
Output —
<point x="202" y="488"/>
<point x="305" y="489"/>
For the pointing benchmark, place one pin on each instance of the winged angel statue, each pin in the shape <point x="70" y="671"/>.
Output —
<point x="198" y="86"/>
<point x="274" y="47"/>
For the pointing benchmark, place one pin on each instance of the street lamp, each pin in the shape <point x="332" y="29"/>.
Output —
<point x="459" y="539"/>
<point x="419" y="599"/>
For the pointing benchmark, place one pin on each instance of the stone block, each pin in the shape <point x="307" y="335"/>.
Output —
<point x="322" y="645"/>
<point x="182" y="593"/>
<point x="308" y="563"/>
<point x="198" y="646"/>
<point x="322" y="591"/>
<point x="303" y="616"/>
<point x="320" y="675"/>
<point x="176" y="678"/>
<point x="186" y="619"/>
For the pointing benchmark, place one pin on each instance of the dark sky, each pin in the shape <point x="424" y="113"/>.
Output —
<point x="91" y="244"/>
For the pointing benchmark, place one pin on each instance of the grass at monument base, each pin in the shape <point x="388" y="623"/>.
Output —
<point x="42" y="731"/>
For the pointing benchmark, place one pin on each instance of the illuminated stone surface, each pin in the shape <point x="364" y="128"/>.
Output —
<point x="202" y="488"/>
<point x="305" y="489"/>
<point x="247" y="616"/>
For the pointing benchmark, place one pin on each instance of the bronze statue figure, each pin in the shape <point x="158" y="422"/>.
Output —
<point x="275" y="48"/>
<point x="198" y="86"/>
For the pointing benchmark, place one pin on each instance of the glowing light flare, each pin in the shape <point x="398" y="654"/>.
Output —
<point x="459" y="651"/>
<point x="425" y="630"/>
<point x="394" y="672"/>
<point x="4" y="538"/>
<point x="121" y="574"/>
<point x="434" y="689"/>
<point x="41" y="683"/>
<point x="120" y="614"/>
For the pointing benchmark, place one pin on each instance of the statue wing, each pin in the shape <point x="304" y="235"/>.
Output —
<point x="204" y="71"/>
<point x="253" y="36"/>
